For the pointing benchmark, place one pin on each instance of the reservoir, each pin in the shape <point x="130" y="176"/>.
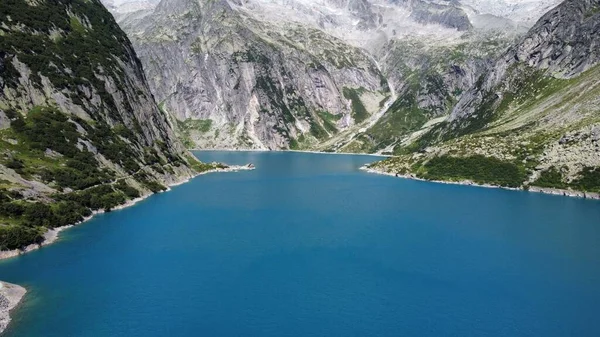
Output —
<point x="309" y="245"/>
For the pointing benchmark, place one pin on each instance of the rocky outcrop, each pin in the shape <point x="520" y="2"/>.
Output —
<point x="446" y="15"/>
<point x="10" y="297"/>
<point x="564" y="43"/>
<point x="362" y="9"/>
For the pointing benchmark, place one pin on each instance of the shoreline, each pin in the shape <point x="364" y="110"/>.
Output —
<point x="298" y="151"/>
<point x="10" y="296"/>
<point x="533" y="189"/>
<point x="52" y="235"/>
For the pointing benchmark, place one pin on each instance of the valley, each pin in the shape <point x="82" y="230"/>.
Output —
<point x="417" y="80"/>
<point x="103" y="101"/>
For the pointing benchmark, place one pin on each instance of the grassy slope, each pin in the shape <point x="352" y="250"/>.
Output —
<point x="422" y="71"/>
<point x="521" y="135"/>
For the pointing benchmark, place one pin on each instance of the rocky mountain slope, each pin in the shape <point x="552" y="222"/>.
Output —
<point x="232" y="81"/>
<point x="79" y="128"/>
<point x="311" y="74"/>
<point x="535" y="112"/>
<point x="428" y="80"/>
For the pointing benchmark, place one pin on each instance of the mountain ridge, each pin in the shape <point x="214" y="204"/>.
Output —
<point x="79" y="128"/>
<point x="536" y="108"/>
<point x="291" y="29"/>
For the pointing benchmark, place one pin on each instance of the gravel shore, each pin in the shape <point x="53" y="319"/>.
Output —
<point x="10" y="297"/>
<point x="11" y="294"/>
<point x="52" y="234"/>
<point x="553" y="191"/>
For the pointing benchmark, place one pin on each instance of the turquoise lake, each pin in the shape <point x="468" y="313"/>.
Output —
<point x="309" y="245"/>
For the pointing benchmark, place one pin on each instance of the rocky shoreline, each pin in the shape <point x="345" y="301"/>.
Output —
<point x="299" y="151"/>
<point x="11" y="294"/>
<point x="535" y="189"/>
<point x="10" y="297"/>
<point x="52" y="234"/>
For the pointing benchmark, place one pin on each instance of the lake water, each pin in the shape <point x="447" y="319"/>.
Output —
<point x="308" y="245"/>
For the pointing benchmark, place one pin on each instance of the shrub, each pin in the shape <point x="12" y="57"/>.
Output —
<point x="129" y="191"/>
<point x="15" y="237"/>
<point x="479" y="169"/>
<point x="550" y="178"/>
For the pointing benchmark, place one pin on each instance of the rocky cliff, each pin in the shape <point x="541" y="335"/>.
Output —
<point x="428" y="81"/>
<point x="307" y="75"/>
<point x="232" y="81"/>
<point x="79" y="128"/>
<point x="564" y="43"/>
<point x="535" y="109"/>
<point x="350" y="76"/>
<point x="10" y="296"/>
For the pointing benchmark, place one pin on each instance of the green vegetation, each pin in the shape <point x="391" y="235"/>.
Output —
<point x="48" y="129"/>
<point x="527" y="87"/>
<point x="252" y="55"/>
<point x="46" y="145"/>
<point x="426" y="78"/>
<point x="71" y="165"/>
<point x="329" y="120"/>
<point x="186" y="128"/>
<point x="589" y="180"/>
<point x="78" y="46"/>
<point x="52" y="40"/>
<point x="200" y="167"/>
<point x="403" y="117"/>
<point x="359" y="112"/>
<point x="77" y="26"/>
<point x="317" y="130"/>
<point x="13" y="237"/>
<point x="591" y="12"/>
<point x="361" y="144"/>
<point x="477" y="168"/>
<point x="287" y="102"/>
<point x="551" y="178"/>
<point x="130" y="192"/>
<point x="25" y="222"/>
<point x="294" y="145"/>
<point x="95" y="198"/>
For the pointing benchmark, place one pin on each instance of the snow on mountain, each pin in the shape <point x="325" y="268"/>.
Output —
<point x="525" y="12"/>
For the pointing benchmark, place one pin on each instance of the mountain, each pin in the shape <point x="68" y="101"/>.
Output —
<point x="311" y="74"/>
<point x="525" y="12"/>
<point x="453" y="88"/>
<point x="79" y="128"/>
<point x="534" y="112"/>
<point x="231" y="81"/>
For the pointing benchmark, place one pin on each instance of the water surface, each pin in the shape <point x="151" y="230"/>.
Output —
<point x="308" y="245"/>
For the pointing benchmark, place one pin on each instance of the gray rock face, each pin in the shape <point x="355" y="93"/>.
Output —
<point x="428" y="81"/>
<point x="258" y="85"/>
<point x="10" y="296"/>
<point x="445" y="15"/>
<point x="263" y="74"/>
<point x="564" y="43"/>
<point x="362" y="9"/>
<point x="82" y="64"/>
